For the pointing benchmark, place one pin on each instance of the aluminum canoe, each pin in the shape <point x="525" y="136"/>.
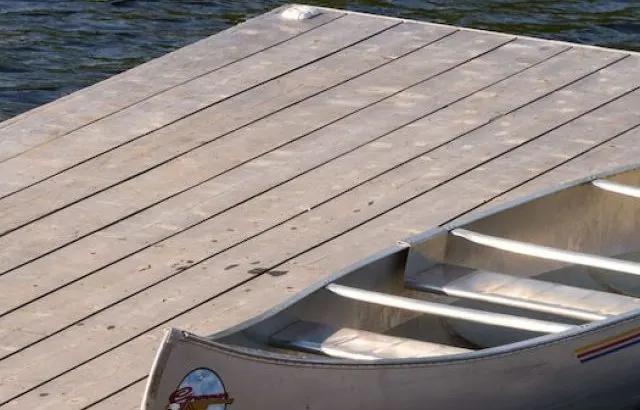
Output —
<point x="532" y="305"/>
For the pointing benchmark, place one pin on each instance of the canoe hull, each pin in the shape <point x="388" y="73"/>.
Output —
<point x="549" y="373"/>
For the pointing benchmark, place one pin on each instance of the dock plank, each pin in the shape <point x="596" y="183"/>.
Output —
<point x="29" y="242"/>
<point x="124" y="90"/>
<point x="175" y="145"/>
<point x="235" y="149"/>
<point x="127" y="399"/>
<point x="366" y="202"/>
<point x="180" y="102"/>
<point x="523" y="173"/>
<point x="215" y="196"/>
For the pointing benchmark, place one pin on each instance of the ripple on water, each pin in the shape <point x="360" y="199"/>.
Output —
<point x="52" y="48"/>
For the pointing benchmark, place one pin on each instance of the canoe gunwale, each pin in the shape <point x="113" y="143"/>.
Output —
<point x="492" y="353"/>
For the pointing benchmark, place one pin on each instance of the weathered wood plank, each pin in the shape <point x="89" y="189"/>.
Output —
<point x="127" y="399"/>
<point x="180" y="102"/>
<point x="212" y="197"/>
<point x="124" y="90"/>
<point x="523" y="171"/>
<point x="196" y="243"/>
<point x="121" y="91"/>
<point x="31" y="242"/>
<point x="316" y="80"/>
<point x="146" y="153"/>
<point x="268" y="290"/>
<point x="321" y="224"/>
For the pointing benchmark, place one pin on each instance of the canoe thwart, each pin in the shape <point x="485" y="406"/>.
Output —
<point x="618" y="188"/>
<point x="354" y="344"/>
<point x="524" y="293"/>
<point x="545" y="252"/>
<point x="449" y="311"/>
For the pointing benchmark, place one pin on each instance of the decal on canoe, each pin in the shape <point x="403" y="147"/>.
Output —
<point x="608" y="346"/>
<point x="201" y="389"/>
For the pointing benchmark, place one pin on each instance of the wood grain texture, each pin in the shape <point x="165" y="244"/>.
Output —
<point x="124" y="90"/>
<point x="164" y="109"/>
<point x="584" y="156"/>
<point x="114" y="205"/>
<point x="272" y="168"/>
<point x="188" y="145"/>
<point x="127" y="399"/>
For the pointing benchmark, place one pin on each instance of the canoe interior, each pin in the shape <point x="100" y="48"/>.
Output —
<point x="581" y="217"/>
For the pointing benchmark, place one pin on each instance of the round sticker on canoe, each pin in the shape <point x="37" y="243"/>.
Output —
<point x="201" y="389"/>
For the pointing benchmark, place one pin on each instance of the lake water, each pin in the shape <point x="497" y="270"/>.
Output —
<point x="51" y="48"/>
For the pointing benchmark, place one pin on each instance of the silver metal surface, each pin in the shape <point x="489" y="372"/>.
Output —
<point x="622" y="189"/>
<point x="547" y="252"/>
<point x="478" y="316"/>
<point x="499" y="379"/>
<point x="533" y="370"/>
<point x="530" y="294"/>
<point x="580" y="217"/>
<point x="355" y="344"/>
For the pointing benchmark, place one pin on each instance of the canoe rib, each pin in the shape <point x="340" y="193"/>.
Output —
<point x="622" y="189"/>
<point x="355" y="344"/>
<point x="450" y="311"/>
<point x="524" y="293"/>
<point x="545" y="252"/>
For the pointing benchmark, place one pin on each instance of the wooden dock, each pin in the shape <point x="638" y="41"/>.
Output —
<point x="201" y="188"/>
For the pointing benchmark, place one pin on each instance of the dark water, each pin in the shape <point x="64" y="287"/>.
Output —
<point x="49" y="48"/>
